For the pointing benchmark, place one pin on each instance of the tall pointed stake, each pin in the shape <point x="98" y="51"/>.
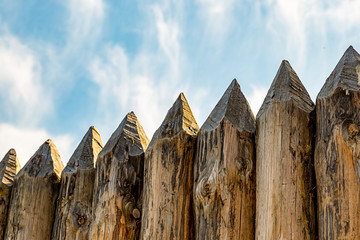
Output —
<point x="337" y="152"/>
<point x="119" y="183"/>
<point x="224" y="184"/>
<point x="285" y="199"/>
<point x="74" y="205"/>
<point x="9" y="167"/>
<point x="35" y="189"/>
<point x="167" y="203"/>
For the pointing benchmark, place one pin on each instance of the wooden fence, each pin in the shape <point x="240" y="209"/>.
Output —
<point x="291" y="173"/>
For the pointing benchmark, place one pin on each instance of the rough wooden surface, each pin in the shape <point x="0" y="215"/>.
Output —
<point x="74" y="204"/>
<point x="9" y="167"/>
<point x="35" y="189"/>
<point x="224" y="183"/>
<point x="167" y="204"/>
<point x="337" y="153"/>
<point x="119" y="183"/>
<point x="285" y="195"/>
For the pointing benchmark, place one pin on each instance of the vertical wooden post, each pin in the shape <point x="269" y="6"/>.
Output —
<point x="285" y="199"/>
<point x="34" y="193"/>
<point x="224" y="189"/>
<point x="167" y="203"/>
<point x="9" y="167"/>
<point x="119" y="183"/>
<point x="337" y="153"/>
<point x="74" y="205"/>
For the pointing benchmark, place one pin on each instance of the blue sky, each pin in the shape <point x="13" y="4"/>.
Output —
<point x="66" y="65"/>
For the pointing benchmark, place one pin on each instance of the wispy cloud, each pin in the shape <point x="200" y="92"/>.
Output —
<point x="149" y="81"/>
<point x="22" y="91"/>
<point x="168" y="34"/>
<point x="218" y="18"/>
<point x="26" y="141"/>
<point x="26" y="101"/>
<point x="85" y="21"/>
<point x="125" y="86"/>
<point x="299" y="23"/>
<point x="34" y="74"/>
<point x="256" y="98"/>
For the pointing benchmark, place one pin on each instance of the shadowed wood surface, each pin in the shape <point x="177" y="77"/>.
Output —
<point x="74" y="204"/>
<point x="119" y="183"/>
<point x="224" y="183"/>
<point x="9" y="167"/>
<point x="167" y="199"/>
<point x="337" y="153"/>
<point x="285" y="199"/>
<point x="35" y="189"/>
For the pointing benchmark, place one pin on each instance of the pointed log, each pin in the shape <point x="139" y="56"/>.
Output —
<point x="337" y="152"/>
<point x="9" y="167"/>
<point x="167" y="203"/>
<point x="35" y="189"/>
<point x="119" y="183"/>
<point x="74" y="204"/>
<point x="224" y="184"/>
<point x="285" y="195"/>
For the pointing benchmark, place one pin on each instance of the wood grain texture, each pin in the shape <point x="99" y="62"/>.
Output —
<point x="224" y="177"/>
<point x="74" y="205"/>
<point x="119" y="183"/>
<point x="337" y="153"/>
<point x="167" y="199"/>
<point x="35" y="189"/>
<point x="9" y="167"/>
<point x="285" y="184"/>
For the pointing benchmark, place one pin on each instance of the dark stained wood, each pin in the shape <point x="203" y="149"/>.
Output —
<point x="337" y="153"/>
<point x="224" y="183"/>
<point x="285" y="184"/>
<point x="34" y="193"/>
<point x="168" y="182"/>
<point x="119" y="183"/>
<point x="74" y="204"/>
<point x="9" y="167"/>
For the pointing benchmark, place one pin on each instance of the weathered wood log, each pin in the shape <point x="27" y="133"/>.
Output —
<point x="337" y="152"/>
<point x="285" y="184"/>
<point x="33" y="197"/>
<point x="119" y="183"/>
<point x="9" y="167"/>
<point x="74" y="204"/>
<point x="167" y="199"/>
<point x="224" y="183"/>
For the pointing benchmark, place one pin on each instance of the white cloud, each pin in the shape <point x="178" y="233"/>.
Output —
<point x="26" y="99"/>
<point x="23" y="96"/>
<point x="26" y="142"/>
<point x="127" y="86"/>
<point x="168" y="37"/>
<point x="256" y="98"/>
<point x="148" y="82"/>
<point x="84" y="23"/>
<point x="84" y="14"/>
<point x="197" y="98"/>
<point x="299" y="23"/>
<point x="218" y="18"/>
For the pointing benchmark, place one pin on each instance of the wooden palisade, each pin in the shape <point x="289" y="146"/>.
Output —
<point x="74" y="205"/>
<point x="337" y="153"/>
<point x="9" y="167"/>
<point x="34" y="193"/>
<point x="224" y="182"/>
<point x="119" y="183"/>
<point x="167" y="198"/>
<point x="285" y="184"/>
